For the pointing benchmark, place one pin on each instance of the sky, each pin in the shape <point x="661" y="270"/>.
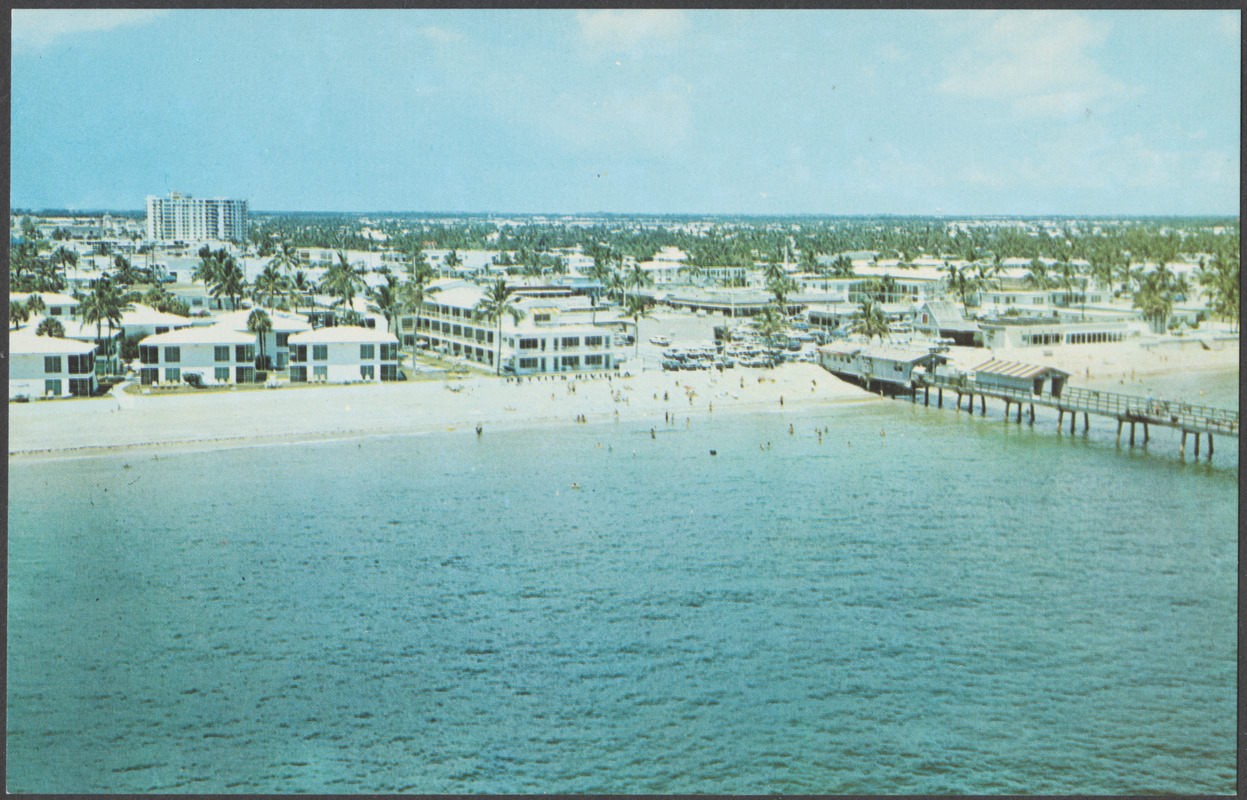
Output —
<point x="1119" y="112"/>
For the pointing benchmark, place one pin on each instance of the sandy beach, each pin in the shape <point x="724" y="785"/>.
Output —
<point x="1122" y="366"/>
<point x="245" y="418"/>
<point x="231" y="419"/>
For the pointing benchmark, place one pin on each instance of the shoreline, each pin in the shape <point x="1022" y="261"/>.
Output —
<point x="156" y="424"/>
<point x="194" y="423"/>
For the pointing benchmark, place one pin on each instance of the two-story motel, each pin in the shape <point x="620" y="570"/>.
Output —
<point x="556" y="334"/>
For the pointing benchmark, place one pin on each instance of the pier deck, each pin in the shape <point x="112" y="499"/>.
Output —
<point x="1186" y="417"/>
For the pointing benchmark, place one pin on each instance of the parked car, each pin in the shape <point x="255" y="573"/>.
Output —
<point x="661" y="341"/>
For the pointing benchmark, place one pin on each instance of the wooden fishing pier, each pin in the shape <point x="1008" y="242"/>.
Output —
<point x="1190" y="419"/>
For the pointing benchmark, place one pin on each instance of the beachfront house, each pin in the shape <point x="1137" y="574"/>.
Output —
<point x="343" y="354"/>
<point x="556" y="334"/>
<point x="218" y="354"/>
<point x="57" y="304"/>
<point x="276" y="344"/>
<point x="884" y="367"/>
<point x="47" y="366"/>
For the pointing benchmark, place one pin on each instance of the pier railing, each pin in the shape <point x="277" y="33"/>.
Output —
<point x="1170" y="413"/>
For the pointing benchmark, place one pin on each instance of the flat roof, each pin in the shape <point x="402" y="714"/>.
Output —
<point x="212" y="334"/>
<point x="344" y="334"/>
<point x="23" y="341"/>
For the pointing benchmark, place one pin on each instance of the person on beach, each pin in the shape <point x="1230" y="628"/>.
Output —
<point x="781" y="401"/>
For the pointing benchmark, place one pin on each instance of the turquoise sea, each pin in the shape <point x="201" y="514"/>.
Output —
<point x="921" y="602"/>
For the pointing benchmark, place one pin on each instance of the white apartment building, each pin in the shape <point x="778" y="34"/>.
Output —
<point x="343" y="354"/>
<point x="276" y="345"/>
<point x="218" y="354"/>
<point x="555" y="335"/>
<point x="182" y="218"/>
<point x="45" y="366"/>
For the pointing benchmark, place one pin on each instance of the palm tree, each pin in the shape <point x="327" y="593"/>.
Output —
<point x="18" y="313"/>
<point x="207" y="269"/>
<point x="638" y="278"/>
<point x="64" y="257"/>
<point x="842" y="267"/>
<point x="285" y="259"/>
<point x="50" y="327"/>
<point x="452" y="260"/>
<point x="385" y="299"/>
<point x="781" y="286"/>
<point x="111" y="306"/>
<point x="693" y="270"/>
<point x="343" y="282"/>
<point x="637" y="308"/>
<point x="1155" y="297"/>
<point x="871" y="321"/>
<point x="269" y="284"/>
<point x="494" y="305"/>
<point x="125" y="273"/>
<point x="35" y="305"/>
<point x="413" y="293"/>
<point x="258" y="322"/>
<point x="1038" y="275"/>
<point x="299" y="286"/>
<point x="229" y="281"/>
<point x="771" y="323"/>
<point x="1220" y="279"/>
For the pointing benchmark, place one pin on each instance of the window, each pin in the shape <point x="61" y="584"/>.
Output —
<point x="147" y="375"/>
<point x="244" y="353"/>
<point x="298" y="374"/>
<point x="298" y="352"/>
<point x="220" y="352"/>
<point x="389" y="352"/>
<point x="406" y="323"/>
<point x="320" y="373"/>
<point x="173" y="375"/>
<point x="320" y="352"/>
<point x="528" y="363"/>
<point x="593" y="361"/>
<point x="283" y="340"/>
<point x="51" y="363"/>
<point x="367" y="371"/>
<point x="389" y="372"/>
<point x="148" y="354"/>
<point x="244" y="374"/>
<point x="56" y="312"/>
<point x="489" y="337"/>
<point x="52" y="387"/>
<point x="80" y="387"/>
<point x="173" y="355"/>
<point x="571" y="341"/>
<point x="593" y="341"/>
<point x="162" y="329"/>
<point x="571" y="361"/>
<point x="457" y="330"/>
<point x="367" y="352"/>
<point x="527" y="344"/>
<point x="222" y="375"/>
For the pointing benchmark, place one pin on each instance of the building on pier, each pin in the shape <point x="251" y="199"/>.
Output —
<point x="888" y="368"/>
<point x="997" y="374"/>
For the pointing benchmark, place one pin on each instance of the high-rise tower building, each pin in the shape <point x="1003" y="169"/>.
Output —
<point x="182" y="218"/>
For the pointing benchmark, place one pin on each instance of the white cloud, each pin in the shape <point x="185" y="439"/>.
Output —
<point x="1038" y="61"/>
<point x="623" y="30"/>
<point x="35" y="29"/>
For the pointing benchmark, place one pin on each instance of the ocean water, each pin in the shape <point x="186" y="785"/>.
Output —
<point x="919" y="602"/>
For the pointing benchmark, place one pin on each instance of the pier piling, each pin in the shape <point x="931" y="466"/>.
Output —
<point x="941" y="395"/>
<point x="1085" y="422"/>
<point x="926" y="395"/>
<point x="1119" y="421"/>
<point x="1073" y="419"/>
<point x="1197" y="445"/>
<point x="1060" y="419"/>
<point x="1210" y="447"/>
<point x="1182" y="447"/>
<point x="1132" y="433"/>
<point x="983" y="404"/>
